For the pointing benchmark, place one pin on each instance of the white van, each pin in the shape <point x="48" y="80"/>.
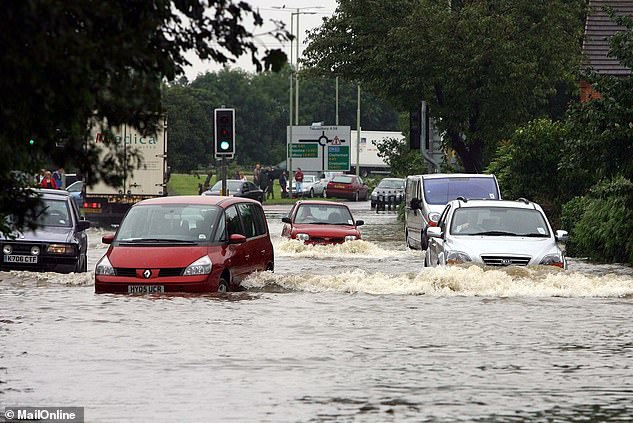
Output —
<point x="426" y="196"/>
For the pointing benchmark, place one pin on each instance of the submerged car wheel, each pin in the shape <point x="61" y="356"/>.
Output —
<point x="223" y="286"/>
<point x="324" y="194"/>
<point x="356" y="196"/>
<point x="311" y="193"/>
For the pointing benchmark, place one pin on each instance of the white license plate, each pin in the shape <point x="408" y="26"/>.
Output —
<point x="20" y="259"/>
<point x="145" y="289"/>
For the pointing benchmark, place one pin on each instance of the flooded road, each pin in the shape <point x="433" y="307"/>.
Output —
<point x="353" y="333"/>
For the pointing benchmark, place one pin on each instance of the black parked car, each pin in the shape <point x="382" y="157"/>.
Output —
<point x="238" y="188"/>
<point x="59" y="244"/>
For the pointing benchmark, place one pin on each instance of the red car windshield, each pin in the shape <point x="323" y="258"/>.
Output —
<point x="170" y="222"/>
<point x="323" y="214"/>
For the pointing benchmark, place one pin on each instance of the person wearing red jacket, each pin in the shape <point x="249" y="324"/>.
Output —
<point x="48" y="181"/>
<point x="299" y="182"/>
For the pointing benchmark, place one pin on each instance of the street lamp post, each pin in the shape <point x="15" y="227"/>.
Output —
<point x="297" y="11"/>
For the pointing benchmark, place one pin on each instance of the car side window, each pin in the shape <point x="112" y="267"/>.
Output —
<point x="248" y="222"/>
<point x="259" y="219"/>
<point x="233" y="222"/>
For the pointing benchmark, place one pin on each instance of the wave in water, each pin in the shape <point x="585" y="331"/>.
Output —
<point x="452" y="281"/>
<point x="360" y="248"/>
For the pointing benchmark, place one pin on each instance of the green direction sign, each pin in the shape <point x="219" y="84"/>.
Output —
<point x="305" y="151"/>
<point x="338" y="157"/>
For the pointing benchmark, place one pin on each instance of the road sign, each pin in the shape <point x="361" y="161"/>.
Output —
<point x="320" y="148"/>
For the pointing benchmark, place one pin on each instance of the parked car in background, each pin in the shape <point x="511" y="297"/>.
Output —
<point x="59" y="244"/>
<point x="186" y="244"/>
<point x="426" y="196"/>
<point x="388" y="190"/>
<point x="311" y="187"/>
<point x="321" y="222"/>
<point x="238" y="188"/>
<point x="494" y="233"/>
<point x="76" y="192"/>
<point x="348" y="186"/>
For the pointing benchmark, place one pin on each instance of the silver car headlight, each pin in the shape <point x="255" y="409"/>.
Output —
<point x="350" y="238"/>
<point x="104" y="267"/>
<point x="303" y="237"/>
<point x="457" y="257"/>
<point x="202" y="266"/>
<point x="553" y="260"/>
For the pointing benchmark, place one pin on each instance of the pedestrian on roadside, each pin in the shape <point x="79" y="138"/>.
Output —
<point x="283" y="183"/>
<point x="299" y="182"/>
<point x="48" y="181"/>
<point x="257" y="174"/>
<point x="270" y="189"/>
<point x="58" y="175"/>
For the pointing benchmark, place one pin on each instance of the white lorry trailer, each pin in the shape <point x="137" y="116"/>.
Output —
<point x="105" y="205"/>
<point x="369" y="162"/>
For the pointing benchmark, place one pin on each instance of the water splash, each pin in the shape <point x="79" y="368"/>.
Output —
<point x="539" y="281"/>
<point x="359" y="248"/>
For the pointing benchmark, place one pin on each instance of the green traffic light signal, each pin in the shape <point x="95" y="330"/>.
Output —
<point x="31" y="141"/>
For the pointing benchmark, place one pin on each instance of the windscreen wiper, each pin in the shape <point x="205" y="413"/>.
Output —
<point x="496" y="233"/>
<point x="155" y="241"/>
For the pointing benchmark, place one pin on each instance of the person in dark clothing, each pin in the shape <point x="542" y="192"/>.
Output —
<point x="263" y="181"/>
<point x="283" y="183"/>
<point x="270" y="192"/>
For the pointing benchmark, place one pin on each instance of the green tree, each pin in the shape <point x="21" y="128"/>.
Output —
<point x="484" y="67"/>
<point x="262" y="101"/>
<point x="65" y="62"/>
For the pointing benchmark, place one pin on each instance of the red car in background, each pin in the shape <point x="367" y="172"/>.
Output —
<point x="321" y="222"/>
<point x="348" y="186"/>
<point x="186" y="244"/>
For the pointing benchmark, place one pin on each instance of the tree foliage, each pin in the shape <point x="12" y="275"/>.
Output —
<point x="64" y="62"/>
<point x="261" y="102"/>
<point x="484" y="67"/>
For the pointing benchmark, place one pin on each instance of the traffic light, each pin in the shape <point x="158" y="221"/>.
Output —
<point x="224" y="132"/>
<point x="32" y="141"/>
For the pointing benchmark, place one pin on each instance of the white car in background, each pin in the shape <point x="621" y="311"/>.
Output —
<point x="494" y="233"/>
<point x="312" y="187"/>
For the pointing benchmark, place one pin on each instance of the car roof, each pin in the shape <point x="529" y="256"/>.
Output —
<point x="518" y="204"/>
<point x="392" y="179"/>
<point x="455" y="175"/>
<point x="204" y="200"/>
<point x="47" y="192"/>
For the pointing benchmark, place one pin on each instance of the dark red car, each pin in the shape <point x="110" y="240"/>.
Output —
<point x="348" y="186"/>
<point x="186" y="244"/>
<point x="321" y="222"/>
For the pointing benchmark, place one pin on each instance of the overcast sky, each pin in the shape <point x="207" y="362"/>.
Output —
<point x="311" y="16"/>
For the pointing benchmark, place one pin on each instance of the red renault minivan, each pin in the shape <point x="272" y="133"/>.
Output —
<point x="186" y="244"/>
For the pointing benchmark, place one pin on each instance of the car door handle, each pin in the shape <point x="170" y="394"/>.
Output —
<point x="247" y="256"/>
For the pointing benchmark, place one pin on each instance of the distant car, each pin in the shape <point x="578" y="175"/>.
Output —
<point x="494" y="233"/>
<point x="388" y="190"/>
<point x="186" y="244"/>
<point x="238" y="188"/>
<point x="59" y="244"/>
<point x="321" y="222"/>
<point x="348" y="186"/>
<point x="76" y="192"/>
<point x="311" y="187"/>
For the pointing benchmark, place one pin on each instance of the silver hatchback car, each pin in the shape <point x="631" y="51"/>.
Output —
<point x="495" y="233"/>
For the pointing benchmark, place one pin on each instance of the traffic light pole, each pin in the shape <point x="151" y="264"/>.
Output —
<point x="224" y="188"/>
